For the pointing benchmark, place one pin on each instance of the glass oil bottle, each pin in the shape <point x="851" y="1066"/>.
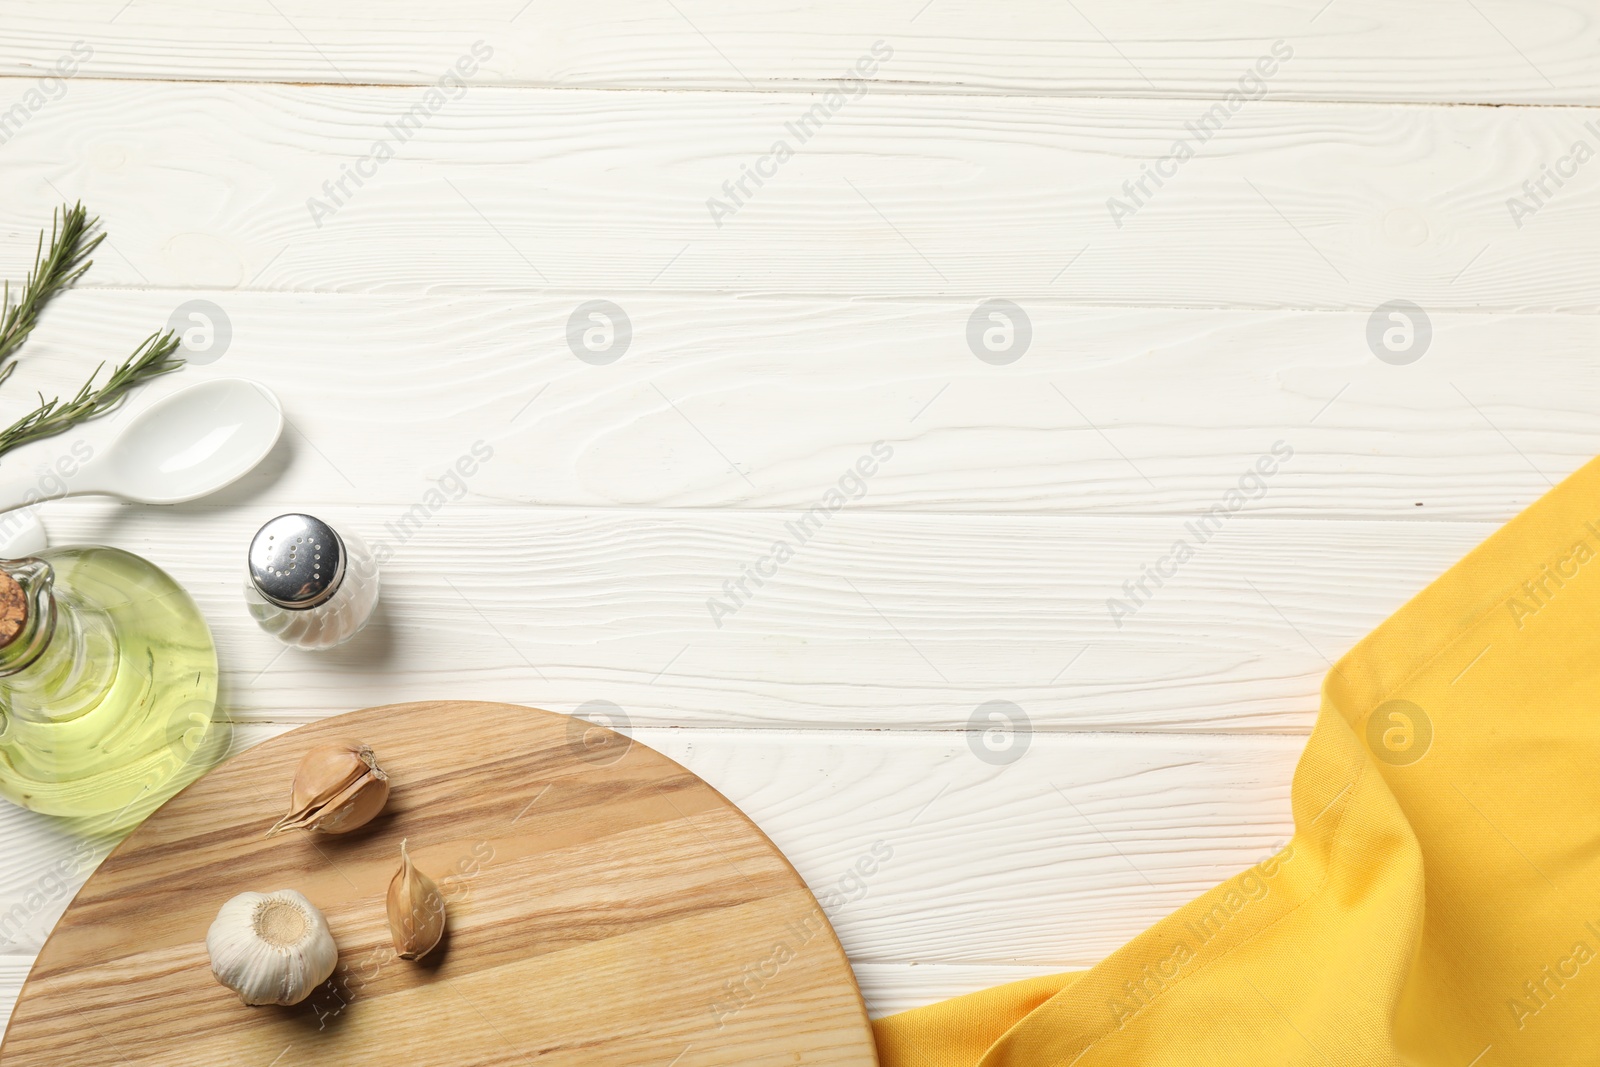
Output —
<point x="108" y="685"/>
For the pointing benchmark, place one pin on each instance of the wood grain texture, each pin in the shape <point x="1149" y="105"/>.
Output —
<point x="1056" y="859"/>
<point x="1337" y="207"/>
<point x="1432" y="50"/>
<point x="13" y="969"/>
<point x="768" y="402"/>
<point x="919" y="850"/>
<point x="889" y="988"/>
<point x="881" y="621"/>
<point x="49" y="859"/>
<point x="604" y="905"/>
<point x="829" y="312"/>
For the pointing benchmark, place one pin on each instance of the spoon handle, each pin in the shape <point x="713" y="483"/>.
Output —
<point x="23" y="490"/>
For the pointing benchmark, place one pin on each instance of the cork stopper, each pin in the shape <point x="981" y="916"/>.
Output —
<point x="13" y="609"/>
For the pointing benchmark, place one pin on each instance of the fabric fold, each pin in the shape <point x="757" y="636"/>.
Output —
<point x="1439" y="903"/>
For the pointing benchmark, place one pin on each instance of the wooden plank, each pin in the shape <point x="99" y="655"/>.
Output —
<point x="1432" y="50"/>
<point x="887" y="987"/>
<point x="13" y="969"/>
<point x="881" y="620"/>
<point x="895" y="987"/>
<point x="1007" y="863"/>
<point x="921" y="851"/>
<point x="770" y="402"/>
<point x="1027" y="199"/>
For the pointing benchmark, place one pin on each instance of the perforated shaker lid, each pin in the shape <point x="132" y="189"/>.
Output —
<point x="297" y="561"/>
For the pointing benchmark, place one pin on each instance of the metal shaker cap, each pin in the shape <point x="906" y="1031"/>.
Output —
<point x="296" y="561"/>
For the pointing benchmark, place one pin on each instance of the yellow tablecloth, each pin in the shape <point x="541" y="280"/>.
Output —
<point x="1439" y="903"/>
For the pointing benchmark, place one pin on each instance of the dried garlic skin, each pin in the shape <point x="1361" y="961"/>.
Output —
<point x="416" y="910"/>
<point x="325" y="771"/>
<point x="337" y="788"/>
<point x="271" y="948"/>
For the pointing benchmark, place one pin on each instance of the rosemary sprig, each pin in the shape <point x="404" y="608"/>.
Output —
<point x="70" y="246"/>
<point x="151" y="360"/>
<point x="72" y="240"/>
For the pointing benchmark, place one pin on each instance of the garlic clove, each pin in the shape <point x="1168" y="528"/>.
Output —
<point x="355" y="807"/>
<point x="271" y="948"/>
<point x="416" y="910"/>
<point x="337" y="788"/>
<point x="326" y="770"/>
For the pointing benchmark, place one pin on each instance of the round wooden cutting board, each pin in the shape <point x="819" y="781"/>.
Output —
<point x="606" y="907"/>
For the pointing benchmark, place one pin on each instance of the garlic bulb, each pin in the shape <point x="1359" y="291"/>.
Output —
<point x="336" y="789"/>
<point x="271" y="948"/>
<point x="416" y="910"/>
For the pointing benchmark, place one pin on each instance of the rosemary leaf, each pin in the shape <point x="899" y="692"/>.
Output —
<point x="68" y="257"/>
<point x="152" y="359"/>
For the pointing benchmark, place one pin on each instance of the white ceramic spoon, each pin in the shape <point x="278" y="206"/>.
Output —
<point x="183" y="446"/>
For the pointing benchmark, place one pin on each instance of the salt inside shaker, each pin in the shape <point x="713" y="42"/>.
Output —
<point x="308" y="585"/>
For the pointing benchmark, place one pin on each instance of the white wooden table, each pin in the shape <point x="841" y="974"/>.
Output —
<point x="1152" y="349"/>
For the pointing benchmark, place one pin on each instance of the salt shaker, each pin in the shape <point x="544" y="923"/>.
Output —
<point x="308" y="585"/>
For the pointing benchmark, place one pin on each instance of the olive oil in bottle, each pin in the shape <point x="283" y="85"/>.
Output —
<point x="108" y="685"/>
